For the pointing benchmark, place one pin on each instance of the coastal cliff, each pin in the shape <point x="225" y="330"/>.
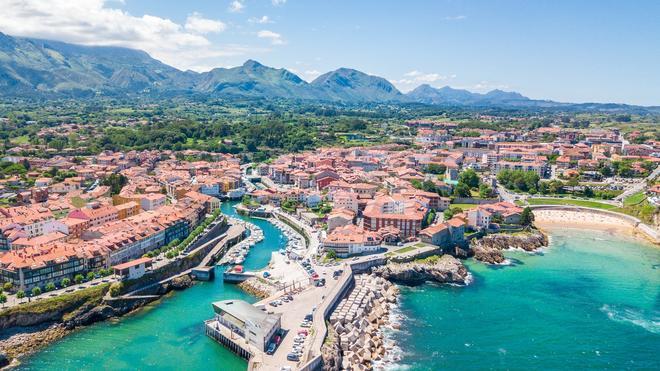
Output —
<point x="29" y="327"/>
<point x="489" y="249"/>
<point x="443" y="269"/>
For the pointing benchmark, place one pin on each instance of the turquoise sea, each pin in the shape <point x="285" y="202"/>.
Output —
<point x="166" y="335"/>
<point x="590" y="301"/>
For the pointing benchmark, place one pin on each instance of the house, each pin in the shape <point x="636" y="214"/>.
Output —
<point x="351" y="240"/>
<point x="133" y="269"/>
<point x="152" y="201"/>
<point x="396" y="210"/>
<point x="340" y="218"/>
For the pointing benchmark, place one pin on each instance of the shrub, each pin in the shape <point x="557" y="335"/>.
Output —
<point x="115" y="289"/>
<point x="36" y="291"/>
<point x="78" y="278"/>
<point x="65" y="282"/>
<point x="7" y="286"/>
<point x="90" y="276"/>
<point x="50" y="286"/>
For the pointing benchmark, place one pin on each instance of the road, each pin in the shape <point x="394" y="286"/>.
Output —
<point x="638" y="186"/>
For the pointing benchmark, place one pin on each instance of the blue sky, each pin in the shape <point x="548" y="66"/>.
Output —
<point x="577" y="51"/>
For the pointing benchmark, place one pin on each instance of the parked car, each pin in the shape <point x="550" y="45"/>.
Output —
<point x="271" y="349"/>
<point x="292" y="357"/>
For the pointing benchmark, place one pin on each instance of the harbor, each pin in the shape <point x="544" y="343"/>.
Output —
<point x="179" y="316"/>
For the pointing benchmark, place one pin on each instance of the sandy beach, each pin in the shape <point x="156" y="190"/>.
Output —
<point x="556" y="219"/>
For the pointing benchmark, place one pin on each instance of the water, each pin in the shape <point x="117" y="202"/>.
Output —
<point x="167" y="335"/>
<point x="592" y="300"/>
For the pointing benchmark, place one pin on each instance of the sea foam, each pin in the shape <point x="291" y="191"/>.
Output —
<point x="648" y="321"/>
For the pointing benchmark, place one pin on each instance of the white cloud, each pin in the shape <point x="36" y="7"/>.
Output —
<point x="96" y="22"/>
<point x="263" y="20"/>
<point x="196" y="23"/>
<point x="275" y="38"/>
<point x="455" y="18"/>
<point x="278" y="2"/>
<point x="236" y="6"/>
<point x="414" y="78"/>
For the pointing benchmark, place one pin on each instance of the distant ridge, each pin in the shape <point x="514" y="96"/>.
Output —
<point x="52" y="69"/>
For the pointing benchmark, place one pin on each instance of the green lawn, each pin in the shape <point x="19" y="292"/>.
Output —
<point x="78" y="202"/>
<point x="634" y="199"/>
<point x="24" y="139"/>
<point x="464" y="206"/>
<point x="570" y="202"/>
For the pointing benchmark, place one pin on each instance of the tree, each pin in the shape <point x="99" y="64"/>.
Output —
<point x="331" y="254"/>
<point x="115" y="289"/>
<point x="90" y="276"/>
<point x="50" y="286"/>
<point x="8" y="286"/>
<point x="65" y="282"/>
<point x="1" y="290"/>
<point x="3" y="299"/>
<point x="450" y="212"/>
<point x="527" y="216"/>
<point x="469" y="177"/>
<point x="78" y="279"/>
<point x="36" y="291"/>
<point x="588" y="192"/>
<point x="485" y="191"/>
<point x="462" y="190"/>
<point x="436" y="168"/>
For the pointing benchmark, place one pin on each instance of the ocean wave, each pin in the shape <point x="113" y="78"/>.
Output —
<point x="648" y="321"/>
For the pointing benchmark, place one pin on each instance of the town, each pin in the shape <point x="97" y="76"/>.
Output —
<point x="71" y="222"/>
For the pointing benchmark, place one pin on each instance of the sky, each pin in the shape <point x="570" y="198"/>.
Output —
<point x="564" y="50"/>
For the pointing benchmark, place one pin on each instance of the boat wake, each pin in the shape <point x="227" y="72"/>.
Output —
<point x="648" y="321"/>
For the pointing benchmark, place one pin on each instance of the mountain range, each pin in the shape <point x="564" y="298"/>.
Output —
<point x="35" y="67"/>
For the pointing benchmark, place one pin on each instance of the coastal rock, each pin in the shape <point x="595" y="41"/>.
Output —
<point x="257" y="287"/>
<point x="181" y="283"/>
<point x="444" y="269"/>
<point x="489" y="248"/>
<point x="488" y="255"/>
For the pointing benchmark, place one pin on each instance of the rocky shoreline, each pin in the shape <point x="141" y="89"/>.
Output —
<point x="21" y="338"/>
<point x="439" y="269"/>
<point x="489" y="249"/>
<point x="355" y="337"/>
<point x="257" y="287"/>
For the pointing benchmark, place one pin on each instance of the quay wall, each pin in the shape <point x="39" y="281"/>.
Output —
<point x="287" y="219"/>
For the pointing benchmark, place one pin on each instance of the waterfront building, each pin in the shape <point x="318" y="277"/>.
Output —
<point x="241" y="318"/>
<point x="398" y="211"/>
<point x="133" y="269"/>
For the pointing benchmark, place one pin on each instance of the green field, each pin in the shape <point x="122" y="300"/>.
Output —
<point x="24" y="139"/>
<point x="464" y="206"/>
<point x="570" y="202"/>
<point x="634" y="199"/>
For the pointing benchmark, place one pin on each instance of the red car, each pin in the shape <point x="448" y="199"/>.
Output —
<point x="315" y="275"/>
